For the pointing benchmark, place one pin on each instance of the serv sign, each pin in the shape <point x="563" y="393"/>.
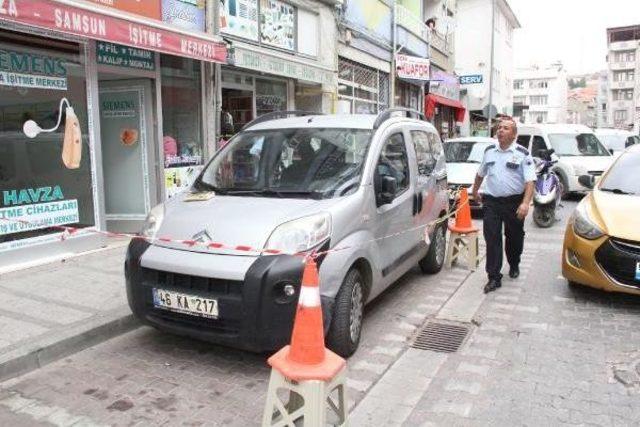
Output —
<point x="472" y="79"/>
<point x="412" y="67"/>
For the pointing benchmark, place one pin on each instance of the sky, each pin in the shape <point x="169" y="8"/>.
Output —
<point x="572" y="31"/>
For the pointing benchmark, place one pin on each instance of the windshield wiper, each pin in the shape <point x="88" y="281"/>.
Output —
<point x="616" y="191"/>
<point x="204" y="186"/>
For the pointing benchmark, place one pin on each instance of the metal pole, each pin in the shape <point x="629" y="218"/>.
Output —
<point x="392" y="75"/>
<point x="493" y="36"/>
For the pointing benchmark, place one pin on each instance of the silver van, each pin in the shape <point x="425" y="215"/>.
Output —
<point x="222" y="262"/>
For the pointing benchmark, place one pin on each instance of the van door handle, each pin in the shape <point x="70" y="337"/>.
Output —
<point x="415" y="205"/>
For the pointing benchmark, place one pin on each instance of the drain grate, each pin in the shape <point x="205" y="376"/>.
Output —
<point x="441" y="337"/>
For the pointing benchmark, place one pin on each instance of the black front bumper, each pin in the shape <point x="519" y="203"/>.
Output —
<point x="254" y="314"/>
<point x="619" y="259"/>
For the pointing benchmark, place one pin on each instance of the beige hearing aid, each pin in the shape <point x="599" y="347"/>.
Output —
<point x="72" y="146"/>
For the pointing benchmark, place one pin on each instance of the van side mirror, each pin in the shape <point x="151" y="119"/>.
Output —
<point x="388" y="190"/>
<point x="611" y="151"/>
<point x="587" y="181"/>
<point x="550" y="151"/>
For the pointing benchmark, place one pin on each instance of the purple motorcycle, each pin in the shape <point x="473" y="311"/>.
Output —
<point x="548" y="190"/>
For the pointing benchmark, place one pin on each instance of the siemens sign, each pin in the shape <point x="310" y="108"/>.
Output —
<point x="471" y="80"/>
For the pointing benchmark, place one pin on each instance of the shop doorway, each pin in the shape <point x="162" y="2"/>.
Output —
<point x="127" y="135"/>
<point x="237" y="110"/>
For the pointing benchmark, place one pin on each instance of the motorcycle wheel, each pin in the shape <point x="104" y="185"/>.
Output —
<point x="544" y="217"/>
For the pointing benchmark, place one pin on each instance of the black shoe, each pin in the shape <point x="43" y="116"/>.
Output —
<point x="514" y="272"/>
<point x="492" y="285"/>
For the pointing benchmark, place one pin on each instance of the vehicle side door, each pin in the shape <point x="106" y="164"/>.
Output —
<point x="431" y="178"/>
<point x="394" y="208"/>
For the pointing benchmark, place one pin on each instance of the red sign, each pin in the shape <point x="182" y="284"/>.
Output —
<point x="51" y="15"/>
<point x="148" y="8"/>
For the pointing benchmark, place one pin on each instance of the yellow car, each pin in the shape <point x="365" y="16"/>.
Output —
<point x="602" y="241"/>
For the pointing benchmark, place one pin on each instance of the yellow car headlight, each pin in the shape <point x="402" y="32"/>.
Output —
<point x="584" y="226"/>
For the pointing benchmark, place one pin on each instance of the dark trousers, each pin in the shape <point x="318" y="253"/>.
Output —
<point x="499" y="210"/>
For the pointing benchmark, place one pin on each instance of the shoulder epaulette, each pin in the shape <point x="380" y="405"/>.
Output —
<point x="491" y="147"/>
<point x="522" y="150"/>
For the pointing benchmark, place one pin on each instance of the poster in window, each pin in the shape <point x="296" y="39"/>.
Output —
<point x="277" y="24"/>
<point x="185" y="14"/>
<point x="239" y="18"/>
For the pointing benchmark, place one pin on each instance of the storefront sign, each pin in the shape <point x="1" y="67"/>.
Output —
<point x="29" y="70"/>
<point x="185" y="14"/>
<point x="272" y="65"/>
<point x="125" y="56"/>
<point x="78" y="21"/>
<point x="278" y="24"/>
<point x="472" y="79"/>
<point x="148" y="8"/>
<point x="445" y="84"/>
<point x="239" y="18"/>
<point x="412" y="67"/>
<point x="18" y="219"/>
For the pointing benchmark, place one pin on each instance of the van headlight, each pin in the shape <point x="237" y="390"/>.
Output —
<point x="301" y="234"/>
<point x="153" y="222"/>
<point x="583" y="226"/>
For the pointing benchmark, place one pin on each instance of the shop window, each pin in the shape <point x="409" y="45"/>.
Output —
<point x="271" y="95"/>
<point x="182" y="137"/>
<point x="35" y="184"/>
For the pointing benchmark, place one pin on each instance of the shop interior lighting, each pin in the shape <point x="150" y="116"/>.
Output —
<point x="72" y="143"/>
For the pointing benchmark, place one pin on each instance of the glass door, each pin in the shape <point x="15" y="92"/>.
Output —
<point x="126" y="127"/>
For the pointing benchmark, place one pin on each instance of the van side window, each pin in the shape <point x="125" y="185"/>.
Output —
<point x="394" y="162"/>
<point x="538" y="147"/>
<point x="523" y="140"/>
<point x="424" y="151"/>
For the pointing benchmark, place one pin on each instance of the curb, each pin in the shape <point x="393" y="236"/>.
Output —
<point x="43" y="351"/>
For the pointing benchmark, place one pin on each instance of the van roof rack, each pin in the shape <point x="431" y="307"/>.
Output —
<point x="392" y="112"/>
<point x="279" y="115"/>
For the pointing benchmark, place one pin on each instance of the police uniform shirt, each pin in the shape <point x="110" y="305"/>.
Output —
<point x="506" y="171"/>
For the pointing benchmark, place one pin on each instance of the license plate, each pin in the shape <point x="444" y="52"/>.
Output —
<point x="183" y="303"/>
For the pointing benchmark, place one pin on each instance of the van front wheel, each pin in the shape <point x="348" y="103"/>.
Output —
<point x="434" y="259"/>
<point x="346" y="323"/>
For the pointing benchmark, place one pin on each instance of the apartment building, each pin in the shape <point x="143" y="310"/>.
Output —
<point x="623" y="95"/>
<point x="540" y="94"/>
<point x="492" y="68"/>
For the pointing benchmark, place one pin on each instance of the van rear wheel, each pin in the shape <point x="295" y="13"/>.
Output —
<point x="434" y="259"/>
<point x="346" y="323"/>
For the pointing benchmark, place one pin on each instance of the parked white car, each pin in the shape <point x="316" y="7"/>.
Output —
<point x="577" y="149"/>
<point x="464" y="156"/>
<point x="616" y="139"/>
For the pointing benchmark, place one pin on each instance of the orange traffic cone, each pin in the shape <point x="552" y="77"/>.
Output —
<point x="307" y="358"/>
<point x="463" y="215"/>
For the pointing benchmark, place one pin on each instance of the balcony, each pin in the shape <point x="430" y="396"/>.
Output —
<point x="625" y="84"/>
<point x="620" y="66"/>
<point x="623" y="104"/>
<point x="412" y="23"/>
<point x="627" y="45"/>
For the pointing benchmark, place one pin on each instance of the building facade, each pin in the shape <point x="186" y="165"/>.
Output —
<point x="102" y="113"/>
<point x="443" y="104"/>
<point x="542" y="92"/>
<point x="279" y="60"/>
<point x="489" y="59"/>
<point x="602" y="101"/>
<point x="623" y="95"/>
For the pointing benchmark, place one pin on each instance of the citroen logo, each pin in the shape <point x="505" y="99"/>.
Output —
<point x="203" y="236"/>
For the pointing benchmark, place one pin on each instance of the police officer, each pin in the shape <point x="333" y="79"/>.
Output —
<point x="510" y="174"/>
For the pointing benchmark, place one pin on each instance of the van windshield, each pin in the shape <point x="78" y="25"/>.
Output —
<point x="574" y="144"/>
<point x="316" y="163"/>
<point x="465" y="151"/>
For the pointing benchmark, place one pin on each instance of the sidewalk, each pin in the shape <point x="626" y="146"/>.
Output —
<point x="54" y="310"/>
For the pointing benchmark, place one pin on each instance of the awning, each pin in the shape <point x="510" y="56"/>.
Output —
<point x="431" y="100"/>
<point x="101" y="23"/>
